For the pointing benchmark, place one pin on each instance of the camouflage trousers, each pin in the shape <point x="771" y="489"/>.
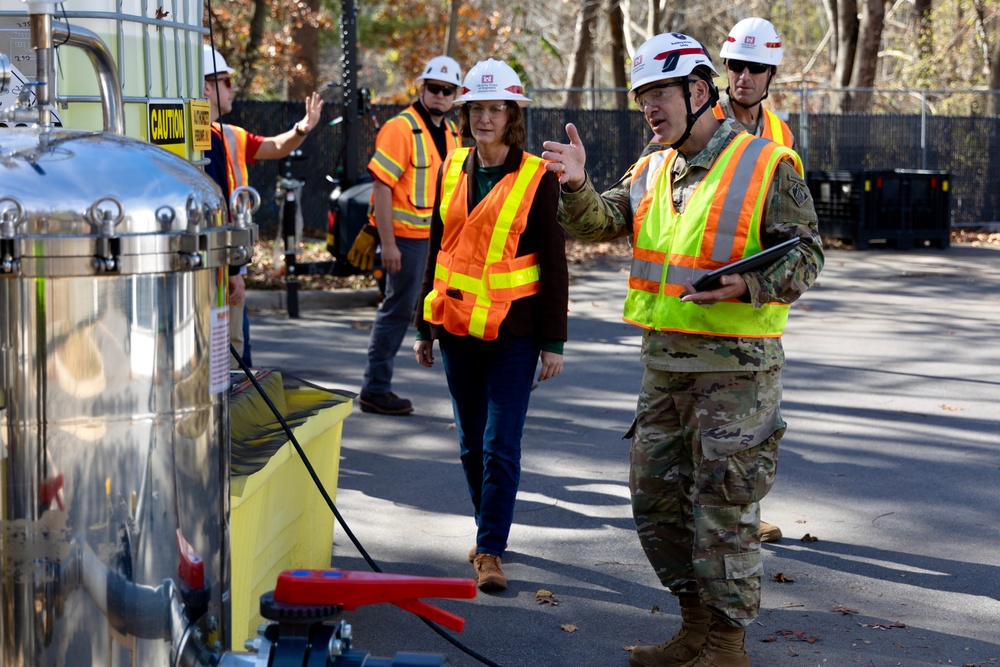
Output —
<point x="704" y="452"/>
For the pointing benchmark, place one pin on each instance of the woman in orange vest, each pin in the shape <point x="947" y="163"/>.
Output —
<point x="495" y="295"/>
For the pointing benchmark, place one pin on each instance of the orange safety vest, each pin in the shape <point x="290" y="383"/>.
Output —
<point x="477" y="274"/>
<point x="720" y="224"/>
<point x="235" y="141"/>
<point x="773" y="127"/>
<point x="408" y="160"/>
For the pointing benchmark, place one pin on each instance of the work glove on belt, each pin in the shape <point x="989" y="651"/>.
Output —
<point x="362" y="252"/>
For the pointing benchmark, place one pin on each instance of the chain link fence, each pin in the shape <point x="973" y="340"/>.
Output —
<point x="903" y="129"/>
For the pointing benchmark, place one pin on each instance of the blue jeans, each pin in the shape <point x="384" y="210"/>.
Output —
<point x="246" y="338"/>
<point x="490" y="383"/>
<point x="394" y="315"/>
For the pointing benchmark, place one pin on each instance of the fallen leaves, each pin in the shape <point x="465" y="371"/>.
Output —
<point x="844" y="610"/>
<point x="781" y="578"/>
<point x="568" y="627"/>
<point x="546" y="597"/>
<point x="793" y="636"/>
<point x="809" y="538"/>
<point x="950" y="408"/>
<point x="882" y="626"/>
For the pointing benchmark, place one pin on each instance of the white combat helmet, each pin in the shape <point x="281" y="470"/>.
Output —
<point x="667" y="56"/>
<point x="213" y="62"/>
<point x="442" y="68"/>
<point x="754" y="40"/>
<point x="492" y="80"/>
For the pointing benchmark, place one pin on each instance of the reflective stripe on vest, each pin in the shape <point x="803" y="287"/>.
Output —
<point x="411" y="210"/>
<point x="235" y="141"/>
<point x="477" y="273"/>
<point x="776" y="129"/>
<point x="720" y="224"/>
<point x="772" y="128"/>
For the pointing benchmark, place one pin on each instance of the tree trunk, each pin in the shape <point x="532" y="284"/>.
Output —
<point x="249" y="62"/>
<point x="305" y="71"/>
<point x="866" y="61"/>
<point x="451" y="39"/>
<point x="922" y="27"/>
<point x="616" y="25"/>
<point x="583" y="46"/>
<point x="847" y="42"/>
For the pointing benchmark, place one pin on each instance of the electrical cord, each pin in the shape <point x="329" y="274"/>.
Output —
<point x="340" y="519"/>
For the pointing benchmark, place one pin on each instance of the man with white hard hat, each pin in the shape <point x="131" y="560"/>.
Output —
<point x="409" y="149"/>
<point x="233" y="148"/>
<point x="705" y="437"/>
<point x="752" y="53"/>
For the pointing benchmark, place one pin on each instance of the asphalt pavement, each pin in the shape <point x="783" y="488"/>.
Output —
<point x="891" y="466"/>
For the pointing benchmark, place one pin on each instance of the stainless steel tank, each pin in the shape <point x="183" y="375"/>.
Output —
<point x="114" y="373"/>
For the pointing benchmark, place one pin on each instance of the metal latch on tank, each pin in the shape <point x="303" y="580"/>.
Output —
<point x="243" y="203"/>
<point x="107" y="245"/>
<point x="11" y="215"/>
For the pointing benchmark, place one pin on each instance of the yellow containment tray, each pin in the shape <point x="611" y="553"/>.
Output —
<point x="278" y="519"/>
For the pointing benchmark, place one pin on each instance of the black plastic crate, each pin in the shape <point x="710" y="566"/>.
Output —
<point x="901" y="208"/>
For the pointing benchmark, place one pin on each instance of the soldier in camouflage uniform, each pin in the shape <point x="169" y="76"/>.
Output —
<point x="707" y="426"/>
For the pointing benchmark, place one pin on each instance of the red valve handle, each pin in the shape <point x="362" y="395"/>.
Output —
<point x="50" y="489"/>
<point x="190" y="566"/>
<point x="351" y="590"/>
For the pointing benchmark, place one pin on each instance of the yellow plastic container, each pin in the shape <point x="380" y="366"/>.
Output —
<point x="278" y="519"/>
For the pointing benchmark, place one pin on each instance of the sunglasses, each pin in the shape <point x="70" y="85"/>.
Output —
<point x="436" y="89"/>
<point x="737" y="67"/>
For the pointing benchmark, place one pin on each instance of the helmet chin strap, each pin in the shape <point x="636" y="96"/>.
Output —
<point x="692" y="116"/>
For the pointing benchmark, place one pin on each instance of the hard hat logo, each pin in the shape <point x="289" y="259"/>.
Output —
<point x="750" y="39"/>
<point x="487" y="78"/>
<point x="671" y="58"/>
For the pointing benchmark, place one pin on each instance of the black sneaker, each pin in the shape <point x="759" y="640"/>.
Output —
<point x="385" y="404"/>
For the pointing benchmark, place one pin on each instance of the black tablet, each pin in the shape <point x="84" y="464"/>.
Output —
<point x="710" y="280"/>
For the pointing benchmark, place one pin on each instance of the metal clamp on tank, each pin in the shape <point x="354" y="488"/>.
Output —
<point x="107" y="246"/>
<point x="243" y="203"/>
<point x="11" y="215"/>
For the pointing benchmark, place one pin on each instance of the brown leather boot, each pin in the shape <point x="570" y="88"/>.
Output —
<point x="769" y="532"/>
<point x="489" y="576"/>
<point x="683" y="646"/>
<point x="723" y="647"/>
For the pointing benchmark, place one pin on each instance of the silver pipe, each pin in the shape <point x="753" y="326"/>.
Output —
<point x="104" y="66"/>
<point x="41" y="42"/>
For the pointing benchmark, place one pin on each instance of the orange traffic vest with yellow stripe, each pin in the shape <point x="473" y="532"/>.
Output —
<point x="773" y="127"/>
<point x="477" y="274"/>
<point x="413" y="193"/>
<point x="720" y="224"/>
<point x="235" y="141"/>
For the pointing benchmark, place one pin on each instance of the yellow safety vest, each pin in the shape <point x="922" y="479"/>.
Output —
<point x="720" y="224"/>
<point x="477" y="274"/>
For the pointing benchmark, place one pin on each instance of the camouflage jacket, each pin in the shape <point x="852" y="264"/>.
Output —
<point x="788" y="212"/>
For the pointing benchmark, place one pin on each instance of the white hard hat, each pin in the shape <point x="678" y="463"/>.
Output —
<point x="213" y="62"/>
<point x="442" y="68"/>
<point x="492" y="80"/>
<point x="667" y="56"/>
<point x="755" y="40"/>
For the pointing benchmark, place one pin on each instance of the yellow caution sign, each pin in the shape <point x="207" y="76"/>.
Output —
<point x="201" y="125"/>
<point x="167" y="127"/>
